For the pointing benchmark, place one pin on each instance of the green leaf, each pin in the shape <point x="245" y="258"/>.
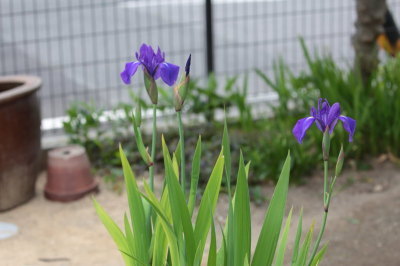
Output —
<point x="152" y="199"/>
<point x="231" y="235"/>
<point x="267" y="241"/>
<point x="280" y="254"/>
<point x="178" y="151"/>
<point x="180" y="212"/>
<point x="129" y="235"/>
<point x="114" y="231"/>
<point x="175" y="165"/>
<point x="246" y="261"/>
<point x="319" y="256"/>
<point x="160" y="249"/>
<point x="160" y="245"/>
<point x="199" y="253"/>
<point x="247" y="168"/>
<point x="212" y="253"/>
<point x="132" y="257"/>
<point x="301" y="261"/>
<point x="242" y="220"/>
<point x="222" y="252"/>
<point x="208" y="202"/>
<point x="172" y="239"/>
<point x="227" y="154"/>
<point x="139" y="141"/>
<point x="297" y="239"/>
<point x="265" y="78"/>
<point x="137" y="212"/>
<point x="195" y="176"/>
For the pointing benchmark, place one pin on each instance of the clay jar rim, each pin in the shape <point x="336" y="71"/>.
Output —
<point x="67" y="152"/>
<point x="28" y="85"/>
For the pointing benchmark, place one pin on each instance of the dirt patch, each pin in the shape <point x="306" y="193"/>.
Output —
<point x="363" y="225"/>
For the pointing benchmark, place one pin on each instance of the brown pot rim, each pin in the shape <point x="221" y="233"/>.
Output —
<point x="71" y="195"/>
<point x="29" y="85"/>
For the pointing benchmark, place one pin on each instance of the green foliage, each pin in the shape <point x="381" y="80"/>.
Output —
<point x="170" y="237"/>
<point x="206" y="101"/>
<point x="265" y="141"/>
<point x="374" y="106"/>
<point x="99" y="132"/>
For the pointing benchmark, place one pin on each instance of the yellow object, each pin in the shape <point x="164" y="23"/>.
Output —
<point x="384" y="43"/>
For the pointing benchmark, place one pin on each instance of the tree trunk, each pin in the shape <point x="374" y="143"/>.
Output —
<point x="369" y="24"/>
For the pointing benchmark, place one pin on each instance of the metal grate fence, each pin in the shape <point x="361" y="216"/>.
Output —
<point x="79" y="47"/>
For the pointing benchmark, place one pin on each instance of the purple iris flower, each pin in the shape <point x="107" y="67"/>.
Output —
<point x="153" y="64"/>
<point x="325" y="118"/>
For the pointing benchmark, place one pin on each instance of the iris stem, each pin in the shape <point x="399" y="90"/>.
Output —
<point x="182" y="143"/>
<point x="325" y="180"/>
<point x="153" y="147"/>
<point x="327" y="200"/>
<point x="321" y="232"/>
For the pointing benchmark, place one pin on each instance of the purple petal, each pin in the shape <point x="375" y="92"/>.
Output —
<point x="146" y="54"/>
<point x="129" y="71"/>
<point x="313" y="112"/>
<point x="157" y="73"/>
<point x="333" y="115"/>
<point x="332" y="125"/>
<point x="301" y="127"/>
<point x="323" y="113"/>
<point x="169" y="73"/>
<point x="349" y="124"/>
<point x="187" y="67"/>
<point x="320" y="124"/>
<point x="159" y="57"/>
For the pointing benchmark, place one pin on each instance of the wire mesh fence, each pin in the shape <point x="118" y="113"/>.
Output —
<point x="79" y="47"/>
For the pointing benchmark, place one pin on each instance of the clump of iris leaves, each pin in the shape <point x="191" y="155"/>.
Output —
<point x="264" y="139"/>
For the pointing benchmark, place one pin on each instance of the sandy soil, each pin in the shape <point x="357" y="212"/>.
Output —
<point x="363" y="225"/>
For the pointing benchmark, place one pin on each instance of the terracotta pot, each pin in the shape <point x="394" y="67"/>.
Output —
<point x="19" y="139"/>
<point x="68" y="174"/>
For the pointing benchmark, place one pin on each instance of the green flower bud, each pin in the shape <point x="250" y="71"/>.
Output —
<point x="151" y="87"/>
<point x="181" y="90"/>
<point x="180" y="93"/>
<point x="143" y="151"/>
<point x="326" y="142"/>
<point x="339" y="163"/>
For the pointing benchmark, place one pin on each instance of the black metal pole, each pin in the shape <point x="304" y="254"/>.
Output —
<point x="209" y="37"/>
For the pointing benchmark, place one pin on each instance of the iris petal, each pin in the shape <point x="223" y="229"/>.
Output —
<point x="129" y="71"/>
<point x="332" y="125"/>
<point x="349" y="124"/>
<point x="313" y="112"/>
<point x="169" y="73"/>
<point x="187" y="67"/>
<point x="333" y="115"/>
<point x="301" y="127"/>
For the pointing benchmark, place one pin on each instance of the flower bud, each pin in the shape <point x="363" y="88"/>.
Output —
<point x="180" y="91"/>
<point x="151" y="87"/>
<point x="143" y="151"/>
<point x="339" y="163"/>
<point x="326" y="142"/>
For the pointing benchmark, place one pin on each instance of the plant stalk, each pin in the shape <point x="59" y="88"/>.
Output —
<point x="153" y="147"/>
<point x="325" y="181"/>
<point x="182" y="143"/>
<point x="327" y="200"/>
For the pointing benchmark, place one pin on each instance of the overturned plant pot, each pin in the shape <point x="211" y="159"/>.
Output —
<point x="19" y="139"/>
<point x="68" y="174"/>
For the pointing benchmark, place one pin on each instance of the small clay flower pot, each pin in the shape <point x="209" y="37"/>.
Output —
<point x="68" y="174"/>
